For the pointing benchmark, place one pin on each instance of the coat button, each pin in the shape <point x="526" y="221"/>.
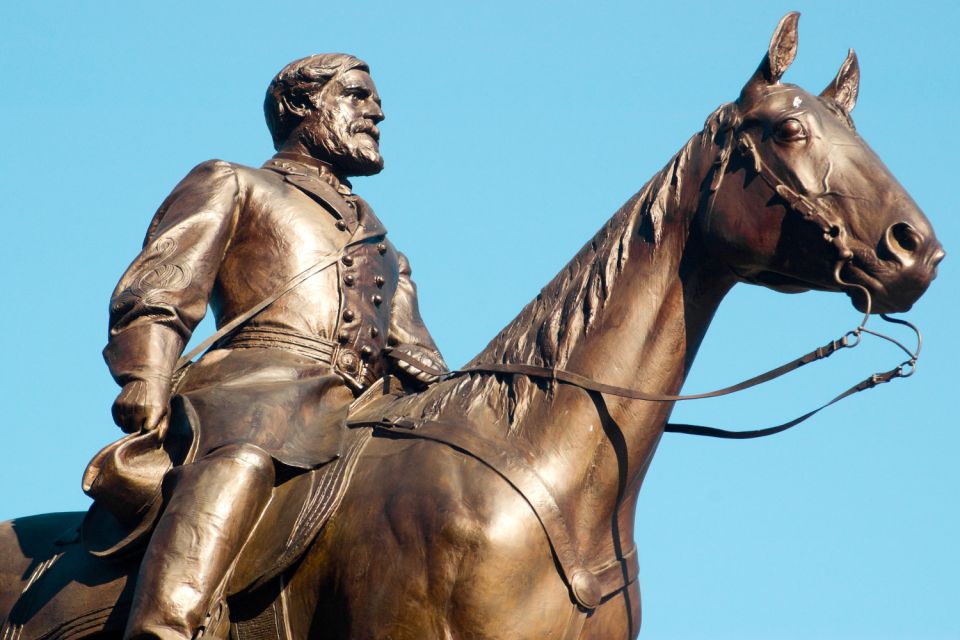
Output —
<point x="349" y="279"/>
<point x="366" y="352"/>
<point x="374" y="332"/>
<point x="348" y="361"/>
<point x="347" y="261"/>
<point x="377" y="299"/>
<point x="379" y="281"/>
<point x="348" y="315"/>
<point x="382" y="248"/>
<point x="343" y="337"/>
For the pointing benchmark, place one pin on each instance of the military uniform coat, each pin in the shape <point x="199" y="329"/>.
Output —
<point x="230" y="236"/>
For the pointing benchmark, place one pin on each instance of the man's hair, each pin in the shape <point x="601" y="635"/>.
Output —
<point x="294" y="83"/>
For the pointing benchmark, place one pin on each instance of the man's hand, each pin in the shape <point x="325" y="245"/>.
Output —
<point x="143" y="406"/>
<point x="420" y="365"/>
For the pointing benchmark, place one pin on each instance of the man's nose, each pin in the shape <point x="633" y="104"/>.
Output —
<point x="376" y="113"/>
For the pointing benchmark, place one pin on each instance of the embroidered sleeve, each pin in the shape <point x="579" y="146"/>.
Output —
<point x="163" y="294"/>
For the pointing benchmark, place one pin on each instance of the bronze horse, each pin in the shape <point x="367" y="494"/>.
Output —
<point x="508" y="511"/>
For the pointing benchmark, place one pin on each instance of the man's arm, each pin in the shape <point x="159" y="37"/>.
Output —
<point x="408" y="334"/>
<point x="163" y="294"/>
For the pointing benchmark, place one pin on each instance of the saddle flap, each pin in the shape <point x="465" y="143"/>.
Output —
<point x="273" y="532"/>
<point x="295" y="515"/>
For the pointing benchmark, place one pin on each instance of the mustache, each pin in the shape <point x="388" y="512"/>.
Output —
<point x="364" y="126"/>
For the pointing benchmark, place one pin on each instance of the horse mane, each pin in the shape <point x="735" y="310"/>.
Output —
<point x="547" y="329"/>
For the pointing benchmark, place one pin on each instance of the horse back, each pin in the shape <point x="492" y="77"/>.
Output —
<point x="50" y="587"/>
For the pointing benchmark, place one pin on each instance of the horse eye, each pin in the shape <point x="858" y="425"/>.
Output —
<point x="791" y="130"/>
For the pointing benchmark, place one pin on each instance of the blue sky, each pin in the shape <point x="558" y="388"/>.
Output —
<point x="513" y="131"/>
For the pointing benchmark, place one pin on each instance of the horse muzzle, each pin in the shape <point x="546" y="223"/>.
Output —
<point x="897" y="273"/>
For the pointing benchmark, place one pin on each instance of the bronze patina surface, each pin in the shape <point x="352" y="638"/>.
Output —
<point x="487" y="505"/>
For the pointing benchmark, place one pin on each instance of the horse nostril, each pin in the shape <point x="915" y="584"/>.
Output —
<point x="904" y="237"/>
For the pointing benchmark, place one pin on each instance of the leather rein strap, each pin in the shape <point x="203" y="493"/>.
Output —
<point x="850" y="340"/>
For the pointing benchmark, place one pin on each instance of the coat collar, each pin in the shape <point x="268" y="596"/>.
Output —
<point x="312" y="166"/>
<point x="316" y="180"/>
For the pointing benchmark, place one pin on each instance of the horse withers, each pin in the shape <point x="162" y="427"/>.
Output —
<point x="505" y="508"/>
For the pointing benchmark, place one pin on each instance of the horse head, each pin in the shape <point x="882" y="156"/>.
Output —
<point x="798" y="201"/>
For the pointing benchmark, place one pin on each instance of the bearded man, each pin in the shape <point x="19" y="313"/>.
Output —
<point x="270" y="399"/>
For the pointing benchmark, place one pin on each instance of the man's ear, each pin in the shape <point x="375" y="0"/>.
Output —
<point x="299" y="105"/>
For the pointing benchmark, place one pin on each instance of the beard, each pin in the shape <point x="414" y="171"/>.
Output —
<point x="351" y="146"/>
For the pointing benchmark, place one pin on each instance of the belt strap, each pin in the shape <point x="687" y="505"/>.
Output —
<point x="576" y="380"/>
<point x="313" y="347"/>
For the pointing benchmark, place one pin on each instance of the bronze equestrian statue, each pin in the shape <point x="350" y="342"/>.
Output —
<point x="499" y="503"/>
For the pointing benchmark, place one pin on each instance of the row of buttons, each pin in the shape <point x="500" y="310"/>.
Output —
<point x="347" y="360"/>
<point x="350" y="280"/>
<point x="354" y="361"/>
<point x="348" y="260"/>
<point x="349" y="315"/>
<point x="344" y="337"/>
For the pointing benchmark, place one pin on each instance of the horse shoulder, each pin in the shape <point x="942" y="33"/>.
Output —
<point x="483" y="543"/>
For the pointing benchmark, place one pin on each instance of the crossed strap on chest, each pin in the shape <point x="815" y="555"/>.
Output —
<point x="323" y="263"/>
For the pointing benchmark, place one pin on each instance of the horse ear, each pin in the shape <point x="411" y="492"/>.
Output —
<point x="845" y="87"/>
<point x="782" y="51"/>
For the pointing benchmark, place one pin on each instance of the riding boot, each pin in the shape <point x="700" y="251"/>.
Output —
<point x="212" y="509"/>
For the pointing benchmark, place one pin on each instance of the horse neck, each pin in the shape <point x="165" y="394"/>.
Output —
<point x="631" y="318"/>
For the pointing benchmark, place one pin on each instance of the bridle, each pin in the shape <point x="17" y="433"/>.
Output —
<point x="812" y="209"/>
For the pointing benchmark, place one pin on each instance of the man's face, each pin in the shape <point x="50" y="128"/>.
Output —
<point x="342" y="129"/>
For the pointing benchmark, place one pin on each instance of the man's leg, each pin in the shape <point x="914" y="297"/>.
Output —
<point x="213" y="507"/>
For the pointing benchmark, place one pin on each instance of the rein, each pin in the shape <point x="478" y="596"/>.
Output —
<point x="848" y="341"/>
